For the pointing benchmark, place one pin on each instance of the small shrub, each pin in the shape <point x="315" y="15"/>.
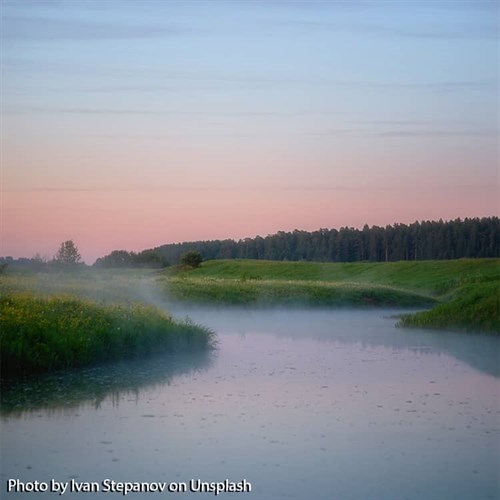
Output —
<point x="191" y="259"/>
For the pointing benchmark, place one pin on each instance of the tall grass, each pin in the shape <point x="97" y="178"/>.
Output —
<point x="473" y="307"/>
<point x="42" y="333"/>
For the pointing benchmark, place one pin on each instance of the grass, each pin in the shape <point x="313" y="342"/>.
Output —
<point x="106" y="286"/>
<point x="473" y="307"/>
<point x="66" y="320"/>
<point x="430" y="277"/>
<point x="291" y="292"/>
<point x="41" y="330"/>
<point x="465" y="292"/>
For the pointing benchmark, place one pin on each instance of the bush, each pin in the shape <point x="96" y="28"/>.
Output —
<point x="191" y="259"/>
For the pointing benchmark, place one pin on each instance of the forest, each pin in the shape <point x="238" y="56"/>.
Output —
<point x="426" y="240"/>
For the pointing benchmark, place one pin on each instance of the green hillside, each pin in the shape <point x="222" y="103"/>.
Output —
<point x="465" y="292"/>
<point x="434" y="277"/>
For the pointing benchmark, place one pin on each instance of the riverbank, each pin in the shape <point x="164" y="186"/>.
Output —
<point x="43" y="333"/>
<point x="473" y="307"/>
<point x="464" y="293"/>
<point x="291" y="293"/>
<point x="62" y="320"/>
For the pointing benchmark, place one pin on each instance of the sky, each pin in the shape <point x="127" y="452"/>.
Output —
<point x="128" y="125"/>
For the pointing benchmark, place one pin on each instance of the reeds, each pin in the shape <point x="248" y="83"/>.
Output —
<point x="42" y="333"/>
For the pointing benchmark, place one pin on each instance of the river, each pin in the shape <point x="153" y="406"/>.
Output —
<point x="319" y="404"/>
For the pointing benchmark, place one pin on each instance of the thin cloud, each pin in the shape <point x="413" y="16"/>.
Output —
<point x="44" y="29"/>
<point x="390" y="122"/>
<point x="466" y="33"/>
<point x="438" y="133"/>
<point x="213" y="83"/>
<point x="483" y="31"/>
<point x="110" y="111"/>
<point x="443" y="86"/>
<point x="356" y="5"/>
<point x="405" y="133"/>
<point x="235" y="188"/>
<point x="333" y="132"/>
<point x="152" y="189"/>
<point x="220" y="81"/>
<point x="135" y="189"/>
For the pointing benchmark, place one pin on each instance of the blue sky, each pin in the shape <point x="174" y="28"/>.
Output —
<point x="263" y="116"/>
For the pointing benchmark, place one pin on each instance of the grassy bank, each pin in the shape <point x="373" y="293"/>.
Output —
<point x="44" y="325"/>
<point x="43" y="333"/>
<point x="473" y="307"/>
<point x="291" y="292"/>
<point x="465" y="292"/>
<point x="430" y="277"/>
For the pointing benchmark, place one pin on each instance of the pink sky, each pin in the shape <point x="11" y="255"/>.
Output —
<point x="100" y="222"/>
<point x="128" y="128"/>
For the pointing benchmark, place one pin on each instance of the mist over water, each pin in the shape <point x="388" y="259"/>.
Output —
<point x="301" y="403"/>
<point x="359" y="327"/>
<point x="104" y="286"/>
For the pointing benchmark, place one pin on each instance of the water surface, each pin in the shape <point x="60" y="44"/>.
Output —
<point x="303" y="404"/>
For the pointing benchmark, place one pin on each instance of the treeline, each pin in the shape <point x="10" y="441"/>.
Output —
<point x="118" y="258"/>
<point x="426" y="240"/>
<point x="122" y="258"/>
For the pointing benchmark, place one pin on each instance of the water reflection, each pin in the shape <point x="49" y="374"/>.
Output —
<point x="364" y="328"/>
<point x="303" y="404"/>
<point x="92" y="386"/>
<point x="367" y="328"/>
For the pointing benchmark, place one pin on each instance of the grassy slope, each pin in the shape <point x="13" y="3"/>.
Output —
<point x="433" y="277"/>
<point x="467" y="289"/>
